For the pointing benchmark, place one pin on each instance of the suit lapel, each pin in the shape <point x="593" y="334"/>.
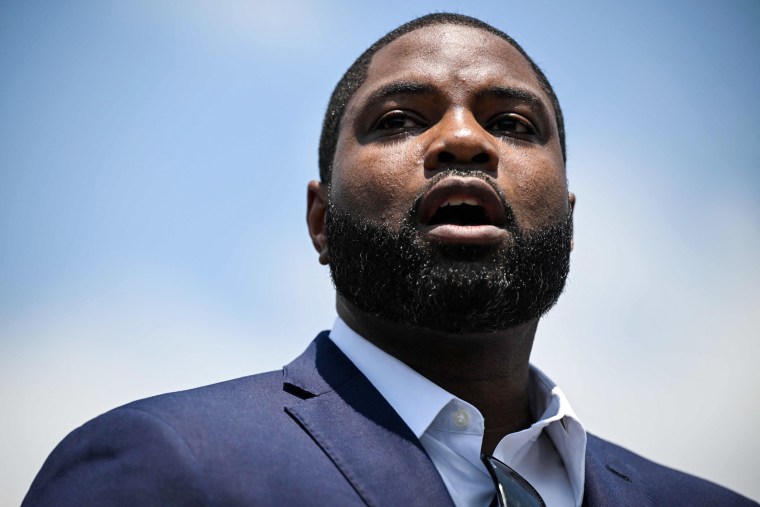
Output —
<point x="609" y="481"/>
<point x="360" y="432"/>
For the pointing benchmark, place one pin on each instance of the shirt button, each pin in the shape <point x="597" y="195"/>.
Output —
<point x="461" y="418"/>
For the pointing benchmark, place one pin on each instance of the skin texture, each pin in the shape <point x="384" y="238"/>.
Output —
<point x="438" y="98"/>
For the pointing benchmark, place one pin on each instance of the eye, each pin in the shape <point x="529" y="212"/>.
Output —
<point x="398" y="121"/>
<point x="511" y="124"/>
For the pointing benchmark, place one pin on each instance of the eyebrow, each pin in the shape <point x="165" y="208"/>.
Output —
<point x="412" y="88"/>
<point x="395" y="89"/>
<point x="518" y="94"/>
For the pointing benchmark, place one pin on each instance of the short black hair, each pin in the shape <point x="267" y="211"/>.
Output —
<point x="357" y="73"/>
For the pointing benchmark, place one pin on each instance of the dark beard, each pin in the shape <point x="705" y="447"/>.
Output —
<point x="400" y="277"/>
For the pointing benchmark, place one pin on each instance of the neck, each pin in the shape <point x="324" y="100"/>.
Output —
<point x="488" y="370"/>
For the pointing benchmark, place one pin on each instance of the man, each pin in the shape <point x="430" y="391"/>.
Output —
<point x="444" y="215"/>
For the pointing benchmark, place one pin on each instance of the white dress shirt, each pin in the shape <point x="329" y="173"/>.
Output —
<point x="550" y="454"/>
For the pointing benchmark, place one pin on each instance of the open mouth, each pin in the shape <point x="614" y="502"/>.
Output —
<point x="460" y="212"/>
<point x="463" y="210"/>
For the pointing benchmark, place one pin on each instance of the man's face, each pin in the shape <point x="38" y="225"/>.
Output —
<point x="448" y="185"/>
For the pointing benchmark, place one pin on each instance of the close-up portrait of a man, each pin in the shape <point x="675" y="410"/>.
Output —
<point x="442" y="205"/>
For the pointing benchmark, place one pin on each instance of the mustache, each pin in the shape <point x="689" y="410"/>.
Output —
<point x="510" y="223"/>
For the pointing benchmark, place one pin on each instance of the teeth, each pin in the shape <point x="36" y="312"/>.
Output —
<point x="458" y="201"/>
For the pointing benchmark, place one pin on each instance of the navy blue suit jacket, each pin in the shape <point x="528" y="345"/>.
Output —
<point x="316" y="433"/>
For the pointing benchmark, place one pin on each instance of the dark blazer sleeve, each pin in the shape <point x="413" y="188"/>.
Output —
<point x="126" y="457"/>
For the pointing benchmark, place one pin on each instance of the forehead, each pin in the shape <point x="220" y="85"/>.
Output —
<point x="456" y="58"/>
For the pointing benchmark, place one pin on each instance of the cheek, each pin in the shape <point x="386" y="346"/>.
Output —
<point x="537" y="190"/>
<point x="376" y="182"/>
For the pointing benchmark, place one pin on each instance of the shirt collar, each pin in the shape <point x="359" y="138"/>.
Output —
<point x="554" y="415"/>
<point x="419" y="401"/>
<point x="412" y="396"/>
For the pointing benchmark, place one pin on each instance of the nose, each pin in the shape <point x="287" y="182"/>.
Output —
<point x="460" y="141"/>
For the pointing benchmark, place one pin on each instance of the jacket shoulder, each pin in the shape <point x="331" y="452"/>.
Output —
<point x="661" y="485"/>
<point x="155" y="451"/>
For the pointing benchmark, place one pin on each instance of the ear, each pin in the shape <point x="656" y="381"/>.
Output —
<point x="571" y="201"/>
<point x="316" y="218"/>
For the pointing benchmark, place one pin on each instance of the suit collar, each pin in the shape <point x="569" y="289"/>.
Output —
<point x="360" y="432"/>
<point x="381" y="457"/>
<point x="320" y="369"/>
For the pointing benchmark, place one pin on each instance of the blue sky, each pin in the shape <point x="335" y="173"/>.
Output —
<point x="153" y="165"/>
